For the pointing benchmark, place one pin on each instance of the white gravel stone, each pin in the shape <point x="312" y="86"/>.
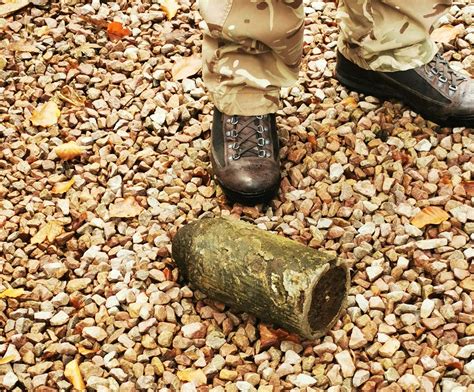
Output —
<point x="304" y="380"/>
<point x="9" y="380"/>
<point x="324" y="223"/>
<point x="423" y="145"/>
<point x="365" y="188"/>
<point x="59" y="318"/>
<point x="96" y="333"/>
<point x="432" y="243"/>
<point x="427" y="306"/>
<point x="374" y="272"/>
<point x="409" y="382"/>
<point x="344" y="359"/>
<point x="389" y="348"/>
<point x="336" y="170"/>
<point x="360" y="377"/>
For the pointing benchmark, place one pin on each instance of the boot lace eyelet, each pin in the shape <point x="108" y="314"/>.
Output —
<point x="236" y="157"/>
<point x="452" y="87"/>
<point x="443" y="79"/>
<point x="261" y="141"/>
<point x="260" y="129"/>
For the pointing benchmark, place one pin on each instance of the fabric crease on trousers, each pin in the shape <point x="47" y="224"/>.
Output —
<point x="252" y="48"/>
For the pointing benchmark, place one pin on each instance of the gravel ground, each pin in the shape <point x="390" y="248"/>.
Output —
<point x="97" y="284"/>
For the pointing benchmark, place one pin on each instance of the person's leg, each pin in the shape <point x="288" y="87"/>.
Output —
<point x="385" y="50"/>
<point x="389" y="35"/>
<point x="250" y="49"/>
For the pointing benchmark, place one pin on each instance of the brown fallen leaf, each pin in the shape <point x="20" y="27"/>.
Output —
<point x="71" y="96"/>
<point x="68" y="151"/>
<point x="62" y="187"/>
<point x="116" y="31"/>
<point x="468" y="188"/>
<point x="12" y="6"/>
<point x="7" y="359"/>
<point x="445" y="34"/>
<point x="170" y="8"/>
<point x="125" y="208"/>
<point x="186" y="67"/>
<point x="46" y="114"/>
<point x="12" y="293"/>
<point x="429" y="216"/>
<point x="269" y="336"/>
<point x="73" y="374"/>
<point x="3" y="63"/>
<point x="49" y="231"/>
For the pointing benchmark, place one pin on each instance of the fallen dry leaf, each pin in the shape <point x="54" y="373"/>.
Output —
<point x="429" y="216"/>
<point x="12" y="6"/>
<point x="71" y="96"/>
<point x="270" y="336"/>
<point x="85" y="351"/>
<point x="445" y="34"/>
<point x="68" y="151"/>
<point x="46" y="114"/>
<point x="170" y="8"/>
<point x="49" y="231"/>
<point x="62" y="187"/>
<point x="3" y="63"/>
<point x="12" y="293"/>
<point x="196" y="376"/>
<point x="22" y="46"/>
<point x="73" y="374"/>
<point x="185" y="67"/>
<point x="468" y="188"/>
<point x="116" y="31"/>
<point x="8" y="359"/>
<point x="125" y="208"/>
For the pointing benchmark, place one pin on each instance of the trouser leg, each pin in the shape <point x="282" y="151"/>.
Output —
<point x="251" y="49"/>
<point x="389" y="35"/>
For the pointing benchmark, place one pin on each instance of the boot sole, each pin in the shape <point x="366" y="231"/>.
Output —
<point x="249" y="199"/>
<point x="388" y="92"/>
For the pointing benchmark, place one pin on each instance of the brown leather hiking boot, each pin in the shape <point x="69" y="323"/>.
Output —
<point x="245" y="156"/>
<point x="434" y="90"/>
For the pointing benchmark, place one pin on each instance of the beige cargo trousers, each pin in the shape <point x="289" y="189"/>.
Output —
<point x="251" y="48"/>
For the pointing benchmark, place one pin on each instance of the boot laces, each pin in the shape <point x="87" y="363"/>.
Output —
<point x="441" y="68"/>
<point x="249" y="136"/>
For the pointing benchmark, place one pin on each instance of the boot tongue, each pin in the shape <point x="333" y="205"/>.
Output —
<point x="248" y="135"/>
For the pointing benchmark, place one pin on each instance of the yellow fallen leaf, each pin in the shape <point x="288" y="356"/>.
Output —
<point x="85" y="351"/>
<point x="49" y="231"/>
<point x="126" y="208"/>
<point x="12" y="293"/>
<point x="74" y="376"/>
<point x="22" y="46"/>
<point x="68" y="151"/>
<point x="62" y="187"/>
<point x="170" y="8"/>
<point x="429" y="216"/>
<point x="3" y="63"/>
<point x="185" y="67"/>
<point x="12" y="6"/>
<point x="8" y="359"/>
<point x="46" y="115"/>
<point x="70" y="95"/>
<point x="445" y="34"/>
<point x="196" y="376"/>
